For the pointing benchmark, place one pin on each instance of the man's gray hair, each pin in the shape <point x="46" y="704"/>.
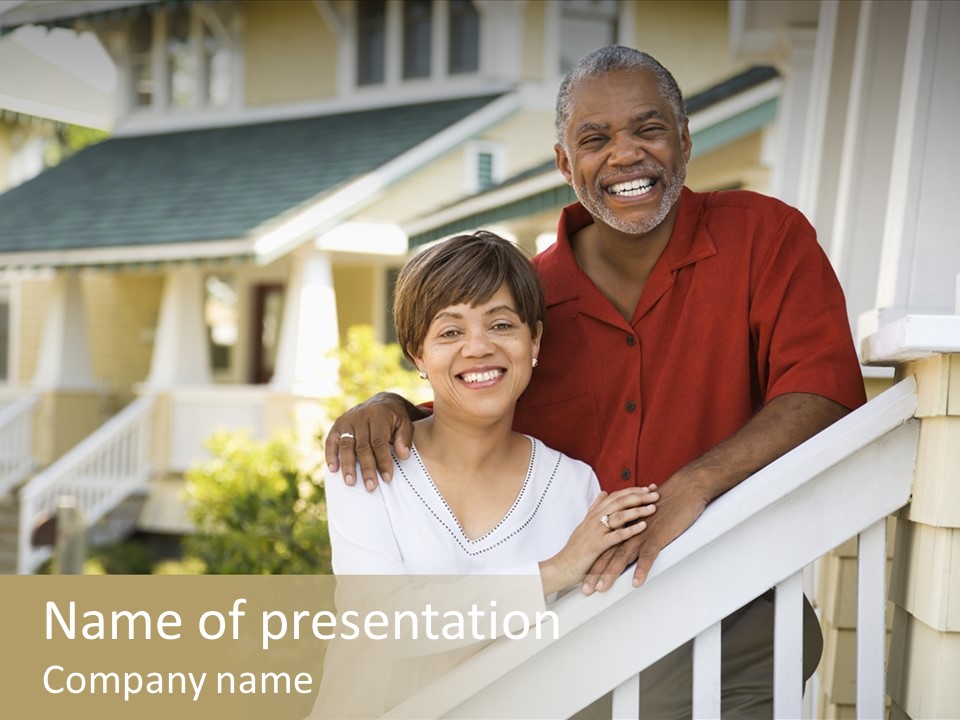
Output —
<point x="614" y="58"/>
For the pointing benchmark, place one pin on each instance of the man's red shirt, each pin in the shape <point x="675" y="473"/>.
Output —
<point x="742" y="306"/>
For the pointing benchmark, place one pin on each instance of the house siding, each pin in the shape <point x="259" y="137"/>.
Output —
<point x="291" y="54"/>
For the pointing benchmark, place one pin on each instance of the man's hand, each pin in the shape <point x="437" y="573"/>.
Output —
<point x="363" y="434"/>
<point x="680" y="504"/>
<point x="781" y="425"/>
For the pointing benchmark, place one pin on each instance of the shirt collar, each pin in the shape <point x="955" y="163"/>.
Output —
<point x="563" y="279"/>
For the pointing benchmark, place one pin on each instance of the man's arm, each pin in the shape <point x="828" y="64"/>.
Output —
<point x="781" y="425"/>
<point x="363" y="434"/>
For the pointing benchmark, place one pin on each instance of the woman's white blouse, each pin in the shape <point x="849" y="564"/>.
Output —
<point x="406" y="527"/>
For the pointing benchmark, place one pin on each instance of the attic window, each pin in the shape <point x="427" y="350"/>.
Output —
<point x="195" y="65"/>
<point x="484" y="165"/>
<point x="585" y="25"/>
<point x="415" y="40"/>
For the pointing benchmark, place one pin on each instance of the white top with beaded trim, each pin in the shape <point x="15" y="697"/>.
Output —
<point x="405" y="527"/>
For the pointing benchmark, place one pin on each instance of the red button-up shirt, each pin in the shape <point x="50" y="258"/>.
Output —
<point x="742" y="306"/>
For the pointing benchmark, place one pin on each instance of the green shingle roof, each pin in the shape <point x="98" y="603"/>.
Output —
<point x="208" y="184"/>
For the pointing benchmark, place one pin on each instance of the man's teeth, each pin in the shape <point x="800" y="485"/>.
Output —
<point x="482" y="377"/>
<point x="634" y="187"/>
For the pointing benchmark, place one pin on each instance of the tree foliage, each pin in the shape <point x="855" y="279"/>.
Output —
<point x="257" y="509"/>
<point x="368" y="366"/>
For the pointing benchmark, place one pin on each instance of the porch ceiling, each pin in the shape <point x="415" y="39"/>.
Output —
<point x="187" y="190"/>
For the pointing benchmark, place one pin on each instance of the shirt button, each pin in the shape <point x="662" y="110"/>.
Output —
<point x="631" y="340"/>
<point x="631" y="406"/>
<point x="625" y="474"/>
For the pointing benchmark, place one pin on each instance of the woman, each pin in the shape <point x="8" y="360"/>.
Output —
<point x="476" y="497"/>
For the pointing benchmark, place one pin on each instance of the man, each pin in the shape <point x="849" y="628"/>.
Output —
<point x="691" y="339"/>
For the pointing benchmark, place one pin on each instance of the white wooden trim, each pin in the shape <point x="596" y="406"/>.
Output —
<point x="912" y="338"/>
<point x="871" y="619"/>
<point x="626" y="699"/>
<point x="812" y="499"/>
<point x="706" y="673"/>
<point x="130" y="254"/>
<point x="788" y="648"/>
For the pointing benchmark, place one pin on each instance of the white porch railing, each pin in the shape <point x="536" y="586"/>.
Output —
<point x="841" y="483"/>
<point x="197" y="412"/>
<point x="100" y="472"/>
<point x="16" y="442"/>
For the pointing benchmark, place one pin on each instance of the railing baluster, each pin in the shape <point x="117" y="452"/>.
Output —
<point x="871" y="619"/>
<point x="706" y="673"/>
<point x="626" y="699"/>
<point x="788" y="648"/>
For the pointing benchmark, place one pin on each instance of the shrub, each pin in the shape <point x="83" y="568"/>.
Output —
<point x="257" y="509"/>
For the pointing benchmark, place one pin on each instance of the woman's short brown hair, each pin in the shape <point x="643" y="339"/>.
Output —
<point x="464" y="269"/>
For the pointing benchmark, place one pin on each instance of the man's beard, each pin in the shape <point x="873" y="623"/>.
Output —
<point x="592" y="198"/>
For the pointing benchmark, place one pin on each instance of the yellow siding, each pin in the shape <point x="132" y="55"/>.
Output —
<point x="730" y="166"/>
<point x="122" y="312"/>
<point x="526" y="138"/>
<point x="34" y="302"/>
<point x="533" y="42"/>
<point x="6" y="152"/>
<point x="291" y="54"/>
<point x="690" y="38"/>
<point x="355" y="286"/>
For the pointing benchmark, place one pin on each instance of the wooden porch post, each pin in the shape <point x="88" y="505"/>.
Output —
<point x="181" y="350"/>
<point x="69" y="405"/>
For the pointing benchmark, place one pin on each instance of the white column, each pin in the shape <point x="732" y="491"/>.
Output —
<point x="309" y="333"/>
<point x="181" y="349"/>
<point x="921" y="251"/>
<point x="65" y="350"/>
<point x="866" y="153"/>
<point x="796" y="66"/>
<point x="829" y="98"/>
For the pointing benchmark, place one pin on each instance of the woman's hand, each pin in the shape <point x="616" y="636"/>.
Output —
<point x="611" y="519"/>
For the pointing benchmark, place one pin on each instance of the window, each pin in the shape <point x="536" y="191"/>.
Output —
<point x="464" y="38"/>
<point x="585" y="25"/>
<point x="195" y="67"/>
<point x="221" y="315"/>
<point x="399" y="41"/>
<point x="417" y="34"/>
<point x="484" y="166"/>
<point x="371" y="41"/>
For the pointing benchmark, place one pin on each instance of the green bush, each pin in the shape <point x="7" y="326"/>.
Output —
<point x="257" y="509"/>
<point x="368" y="366"/>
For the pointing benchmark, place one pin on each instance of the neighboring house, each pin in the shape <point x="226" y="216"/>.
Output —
<point x="273" y="164"/>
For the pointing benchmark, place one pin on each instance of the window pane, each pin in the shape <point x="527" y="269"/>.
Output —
<point x="416" y="38"/>
<point x="371" y="41"/>
<point x="485" y="170"/>
<point x="221" y="314"/>
<point x="464" y="37"/>
<point x="585" y="25"/>
<point x="182" y="66"/>
<point x="141" y="61"/>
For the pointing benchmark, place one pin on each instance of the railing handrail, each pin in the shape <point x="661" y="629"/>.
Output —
<point x="16" y="409"/>
<point x="808" y="474"/>
<point x="88" y="446"/>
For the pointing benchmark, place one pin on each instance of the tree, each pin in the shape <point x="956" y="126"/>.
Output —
<point x="257" y="509"/>
<point x="368" y="366"/>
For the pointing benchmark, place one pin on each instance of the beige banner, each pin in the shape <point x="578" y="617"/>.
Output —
<point x="246" y="646"/>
